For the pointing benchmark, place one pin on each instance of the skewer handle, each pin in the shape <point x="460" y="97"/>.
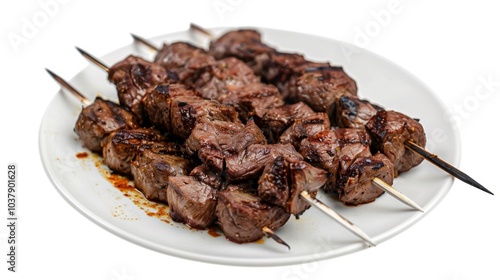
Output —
<point x="450" y="169"/>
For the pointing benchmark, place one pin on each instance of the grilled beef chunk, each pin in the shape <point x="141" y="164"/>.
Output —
<point x="152" y="168"/>
<point x="274" y="182"/>
<point x="206" y="175"/>
<point x="335" y="150"/>
<point x="226" y="75"/>
<point x="253" y="100"/>
<point x="99" y="119"/>
<point x="241" y="214"/>
<point x="191" y="202"/>
<point x="304" y="177"/>
<point x="216" y="140"/>
<point x="284" y="69"/>
<point x="186" y="61"/>
<point x="250" y="163"/>
<point x="351" y="111"/>
<point x="277" y="120"/>
<point x="355" y="183"/>
<point x="390" y="130"/>
<point x="282" y="182"/>
<point x="120" y="147"/>
<point x="245" y="44"/>
<point x="320" y="87"/>
<point x="134" y="78"/>
<point x="305" y="127"/>
<point x="157" y="104"/>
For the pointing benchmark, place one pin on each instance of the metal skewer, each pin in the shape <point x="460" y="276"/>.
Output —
<point x="409" y="144"/>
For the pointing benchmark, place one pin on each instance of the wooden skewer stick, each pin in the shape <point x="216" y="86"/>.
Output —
<point x="270" y="233"/>
<point x="144" y="42"/>
<point x="93" y="59"/>
<point x="409" y="144"/>
<point x="71" y="89"/>
<point x="450" y="169"/>
<point x="336" y="216"/>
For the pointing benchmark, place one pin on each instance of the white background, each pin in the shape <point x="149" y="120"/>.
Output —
<point x="450" y="46"/>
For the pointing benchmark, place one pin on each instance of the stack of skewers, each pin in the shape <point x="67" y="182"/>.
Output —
<point x="244" y="136"/>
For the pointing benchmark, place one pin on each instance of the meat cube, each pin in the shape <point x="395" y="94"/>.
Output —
<point x="120" y="147"/>
<point x="99" y="119"/>
<point x="305" y="127"/>
<point x="353" y="112"/>
<point x="191" y="202"/>
<point x="242" y="215"/>
<point x="151" y="170"/>
<point x="390" y="130"/>
<point x="355" y="183"/>
<point x="276" y="121"/>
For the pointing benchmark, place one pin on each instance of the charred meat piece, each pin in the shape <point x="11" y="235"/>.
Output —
<point x="320" y="87"/>
<point x="250" y="163"/>
<point x="191" y="202"/>
<point x="304" y="177"/>
<point x="157" y="104"/>
<point x="277" y="120"/>
<point x="216" y="140"/>
<point x="335" y="150"/>
<point x="99" y="119"/>
<point x="353" y="112"/>
<point x="134" y="78"/>
<point x="207" y="176"/>
<point x="245" y="44"/>
<point x="284" y="69"/>
<point x="152" y="168"/>
<point x="281" y="184"/>
<point x="226" y="75"/>
<point x="120" y="147"/>
<point x="241" y="214"/>
<point x="305" y="127"/>
<point x="390" y="130"/>
<point x="253" y="100"/>
<point x="184" y="60"/>
<point x="355" y="183"/>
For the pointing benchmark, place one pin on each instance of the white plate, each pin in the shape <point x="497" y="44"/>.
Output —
<point x="314" y="236"/>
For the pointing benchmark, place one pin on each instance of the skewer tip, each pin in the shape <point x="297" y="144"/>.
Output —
<point x="270" y="233"/>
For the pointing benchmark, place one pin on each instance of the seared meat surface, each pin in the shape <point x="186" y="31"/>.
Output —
<point x="184" y="60"/>
<point x="99" y="119"/>
<point x="245" y="44"/>
<point x="241" y="214"/>
<point x="151" y="169"/>
<point x="134" y="78"/>
<point x="320" y="87"/>
<point x="277" y="120"/>
<point x="191" y="202"/>
<point x="335" y="150"/>
<point x="305" y="127"/>
<point x="120" y="147"/>
<point x="390" y="130"/>
<point x="355" y="183"/>
<point x="350" y="111"/>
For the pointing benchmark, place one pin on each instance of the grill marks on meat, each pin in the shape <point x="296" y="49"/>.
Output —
<point x="241" y="214"/>
<point x="335" y="150"/>
<point x="321" y="87"/>
<point x="184" y="61"/>
<point x="134" y="78"/>
<point x="176" y="109"/>
<point x="355" y="183"/>
<point x="245" y="44"/>
<point x="305" y="127"/>
<point x="99" y="119"/>
<point x="353" y="112"/>
<point x="214" y="141"/>
<point x="191" y="202"/>
<point x="390" y="130"/>
<point x="120" y="147"/>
